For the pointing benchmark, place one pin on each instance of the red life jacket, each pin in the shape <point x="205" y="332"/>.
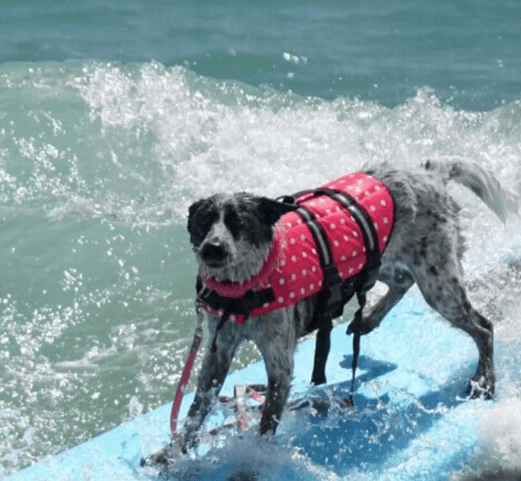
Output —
<point x="293" y="269"/>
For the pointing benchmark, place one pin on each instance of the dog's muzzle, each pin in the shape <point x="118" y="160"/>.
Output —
<point x="214" y="255"/>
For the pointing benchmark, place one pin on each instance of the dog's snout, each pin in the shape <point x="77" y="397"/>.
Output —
<point x="214" y="252"/>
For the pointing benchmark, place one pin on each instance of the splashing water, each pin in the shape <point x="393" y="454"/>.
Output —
<point x="98" y="167"/>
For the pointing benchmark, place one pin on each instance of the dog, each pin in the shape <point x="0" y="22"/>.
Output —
<point x="233" y="235"/>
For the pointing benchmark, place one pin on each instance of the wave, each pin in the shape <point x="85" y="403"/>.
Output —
<point x="103" y="135"/>
<point x="136" y="144"/>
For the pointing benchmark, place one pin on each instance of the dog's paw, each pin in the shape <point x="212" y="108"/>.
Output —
<point x="481" y="387"/>
<point x="189" y="441"/>
<point x="364" y="328"/>
<point x="163" y="458"/>
<point x="243" y="476"/>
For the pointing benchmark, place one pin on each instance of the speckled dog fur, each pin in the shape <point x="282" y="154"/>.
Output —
<point x="231" y="236"/>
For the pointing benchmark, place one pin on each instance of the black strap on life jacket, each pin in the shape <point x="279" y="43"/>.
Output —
<point x="367" y="278"/>
<point x="338" y="292"/>
<point x="253" y="299"/>
<point x="328" y="297"/>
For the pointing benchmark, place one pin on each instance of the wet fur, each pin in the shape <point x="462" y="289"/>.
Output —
<point x="231" y="236"/>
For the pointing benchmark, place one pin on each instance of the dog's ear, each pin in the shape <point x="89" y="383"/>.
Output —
<point x="273" y="210"/>
<point x="192" y="210"/>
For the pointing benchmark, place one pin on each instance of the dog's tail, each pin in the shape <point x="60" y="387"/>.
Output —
<point x="482" y="183"/>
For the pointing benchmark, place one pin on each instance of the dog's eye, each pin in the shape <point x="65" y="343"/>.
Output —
<point x="234" y="222"/>
<point x="201" y="224"/>
<point x="207" y="220"/>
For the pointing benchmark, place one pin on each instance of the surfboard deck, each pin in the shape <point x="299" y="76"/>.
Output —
<point x="410" y="418"/>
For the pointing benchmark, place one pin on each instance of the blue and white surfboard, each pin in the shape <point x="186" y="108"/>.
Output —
<point x="410" y="420"/>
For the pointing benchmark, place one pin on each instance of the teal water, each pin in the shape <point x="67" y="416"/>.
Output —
<point x="467" y="51"/>
<point x="115" y="116"/>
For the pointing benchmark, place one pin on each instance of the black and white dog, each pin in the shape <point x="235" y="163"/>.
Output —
<point x="232" y="236"/>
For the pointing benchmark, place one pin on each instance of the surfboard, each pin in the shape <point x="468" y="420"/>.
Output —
<point x="410" y="419"/>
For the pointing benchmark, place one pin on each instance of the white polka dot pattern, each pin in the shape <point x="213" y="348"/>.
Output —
<point x="296" y="273"/>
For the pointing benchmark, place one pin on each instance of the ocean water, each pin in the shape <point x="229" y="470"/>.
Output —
<point x="116" y="115"/>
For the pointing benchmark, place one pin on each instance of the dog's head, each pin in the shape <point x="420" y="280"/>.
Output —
<point x="232" y="234"/>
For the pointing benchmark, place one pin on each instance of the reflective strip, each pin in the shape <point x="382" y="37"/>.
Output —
<point x="362" y="221"/>
<point x="319" y="237"/>
<point x="361" y="218"/>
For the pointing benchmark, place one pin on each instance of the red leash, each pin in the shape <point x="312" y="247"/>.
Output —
<point x="185" y="376"/>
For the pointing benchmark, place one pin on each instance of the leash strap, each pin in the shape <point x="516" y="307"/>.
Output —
<point x="185" y="376"/>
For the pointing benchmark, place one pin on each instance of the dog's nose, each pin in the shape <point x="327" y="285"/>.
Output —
<point x="214" y="253"/>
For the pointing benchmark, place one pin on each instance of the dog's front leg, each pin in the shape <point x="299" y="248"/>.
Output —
<point x="213" y="373"/>
<point x="277" y="345"/>
<point x="277" y="395"/>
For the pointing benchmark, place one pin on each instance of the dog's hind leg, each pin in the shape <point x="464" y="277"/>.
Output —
<point x="445" y="293"/>
<point x="399" y="280"/>
<point x="216" y="365"/>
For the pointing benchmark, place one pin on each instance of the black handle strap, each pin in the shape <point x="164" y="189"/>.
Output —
<point x="357" y="333"/>
<point x="336" y="295"/>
